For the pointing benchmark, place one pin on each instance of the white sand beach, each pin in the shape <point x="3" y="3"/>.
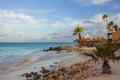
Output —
<point x="46" y="61"/>
<point x="115" y="68"/>
<point x="65" y="60"/>
<point x="115" y="75"/>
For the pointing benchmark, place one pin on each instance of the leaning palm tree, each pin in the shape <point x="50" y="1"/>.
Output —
<point x="77" y="31"/>
<point x="116" y="27"/>
<point x="106" y="52"/>
<point x="110" y="26"/>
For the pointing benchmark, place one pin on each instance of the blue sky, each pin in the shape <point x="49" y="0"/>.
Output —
<point x="54" y="20"/>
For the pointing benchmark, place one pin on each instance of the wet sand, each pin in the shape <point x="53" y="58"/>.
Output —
<point x="67" y="60"/>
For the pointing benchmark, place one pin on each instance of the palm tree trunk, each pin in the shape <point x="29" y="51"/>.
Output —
<point x="107" y="25"/>
<point x="79" y="35"/>
<point x="106" y="67"/>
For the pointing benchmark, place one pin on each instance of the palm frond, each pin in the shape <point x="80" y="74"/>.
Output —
<point x="105" y="52"/>
<point x="77" y="30"/>
<point x="115" y="27"/>
<point x="104" y="16"/>
<point x="111" y="23"/>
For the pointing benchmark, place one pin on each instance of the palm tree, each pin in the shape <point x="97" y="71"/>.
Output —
<point x="105" y="18"/>
<point x="106" y="52"/>
<point x="110" y="25"/>
<point x="77" y="31"/>
<point x="115" y="27"/>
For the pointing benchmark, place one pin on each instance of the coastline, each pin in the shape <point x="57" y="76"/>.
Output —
<point x="35" y="65"/>
<point x="67" y="59"/>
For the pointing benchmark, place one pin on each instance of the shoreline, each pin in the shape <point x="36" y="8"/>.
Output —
<point x="42" y="60"/>
<point x="67" y="60"/>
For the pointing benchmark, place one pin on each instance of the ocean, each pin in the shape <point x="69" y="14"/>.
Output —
<point x="13" y="53"/>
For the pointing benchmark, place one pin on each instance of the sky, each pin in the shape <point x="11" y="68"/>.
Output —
<point x="54" y="20"/>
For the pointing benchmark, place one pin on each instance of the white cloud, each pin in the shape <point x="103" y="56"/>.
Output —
<point x="99" y="2"/>
<point x="18" y="27"/>
<point x="92" y="26"/>
<point x="10" y="20"/>
<point x="56" y="33"/>
<point x="61" y="36"/>
<point x="56" y="24"/>
<point x="83" y="2"/>
<point x="116" y="18"/>
<point x="97" y="18"/>
<point x="94" y="2"/>
<point x="36" y="10"/>
<point x="68" y="21"/>
<point x="76" y="23"/>
<point x="17" y="17"/>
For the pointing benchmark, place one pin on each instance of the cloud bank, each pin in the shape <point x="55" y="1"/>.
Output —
<point x="21" y="27"/>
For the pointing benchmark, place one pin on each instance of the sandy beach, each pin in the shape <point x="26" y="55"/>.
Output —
<point x="65" y="59"/>
<point x="45" y="60"/>
<point x="115" y="75"/>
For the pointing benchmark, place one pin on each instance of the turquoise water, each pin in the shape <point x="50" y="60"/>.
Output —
<point x="11" y="53"/>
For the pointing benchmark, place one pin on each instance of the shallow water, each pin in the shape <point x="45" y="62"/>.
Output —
<point x="50" y="58"/>
<point x="12" y="53"/>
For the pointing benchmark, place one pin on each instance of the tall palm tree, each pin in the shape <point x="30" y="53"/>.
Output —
<point x="110" y="26"/>
<point x="105" y="18"/>
<point x="77" y="31"/>
<point x="106" y="52"/>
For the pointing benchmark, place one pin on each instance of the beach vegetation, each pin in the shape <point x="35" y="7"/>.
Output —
<point x="77" y="31"/>
<point x="106" y="52"/>
<point x="110" y="25"/>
